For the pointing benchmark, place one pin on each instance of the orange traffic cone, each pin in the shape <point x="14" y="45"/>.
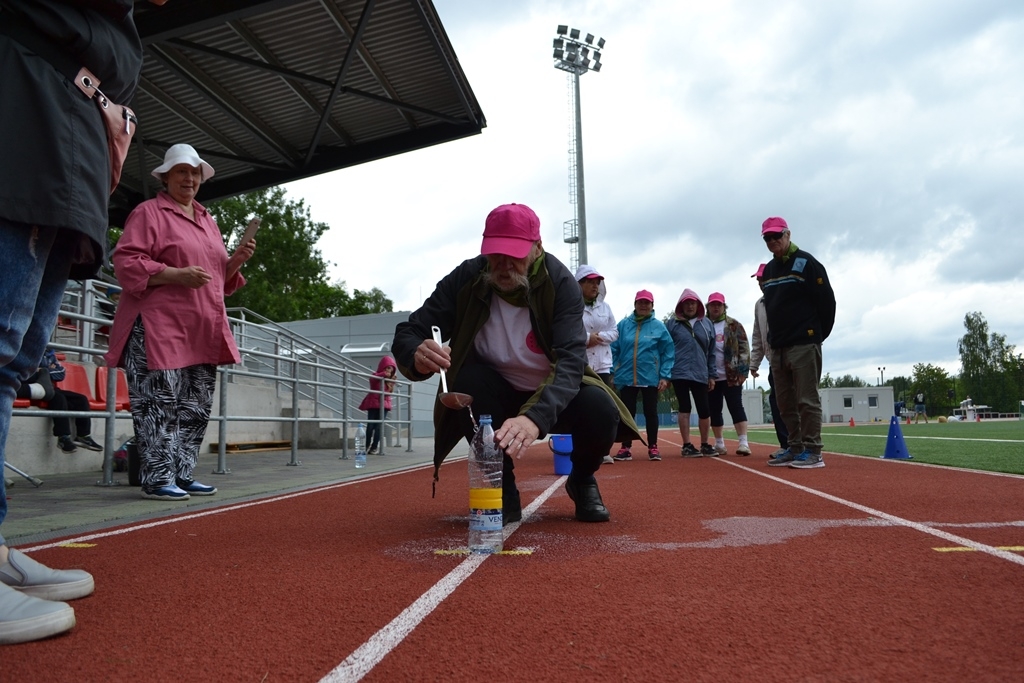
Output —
<point x="852" y="423"/>
<point x="908" y="419"/>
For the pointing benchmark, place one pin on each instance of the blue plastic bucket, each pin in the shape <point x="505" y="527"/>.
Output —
<point x="561" y="447"/>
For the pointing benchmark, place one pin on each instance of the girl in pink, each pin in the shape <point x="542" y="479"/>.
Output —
<point x="375" y="413"/>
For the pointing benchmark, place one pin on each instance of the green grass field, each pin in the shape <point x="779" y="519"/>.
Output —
<point x="993" y="446"/>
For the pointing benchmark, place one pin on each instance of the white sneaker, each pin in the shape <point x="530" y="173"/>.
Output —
<point x="24" y="574"/>
<point x="24" y="618"/>
<point x="608" y="460"/>
<point x="743" y="449"/>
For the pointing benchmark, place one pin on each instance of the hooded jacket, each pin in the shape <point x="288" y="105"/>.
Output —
<point x="598" y="317"/>
<point x="798" y="300"/>
<point x="694" y="341"/>
<point x="461" y="304"/>
<point x="372" y="399"/>
<point x="643" y="353"/>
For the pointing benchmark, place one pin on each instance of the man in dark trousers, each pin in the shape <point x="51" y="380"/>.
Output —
<point x="514" y="318"/>
<point x="801" y="309"/>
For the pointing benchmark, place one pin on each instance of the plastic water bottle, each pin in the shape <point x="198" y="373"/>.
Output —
<point x="361" y="446"/>
<point x="485" y="467"/>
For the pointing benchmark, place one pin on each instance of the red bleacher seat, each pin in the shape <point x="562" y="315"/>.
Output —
<point x="22" y="403"/>
<point x="76" y="379"/>
<point x="121" y="401"/>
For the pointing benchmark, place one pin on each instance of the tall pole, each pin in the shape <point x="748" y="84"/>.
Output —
<point x="581" y="201"/>
<point x="577" y="54"/>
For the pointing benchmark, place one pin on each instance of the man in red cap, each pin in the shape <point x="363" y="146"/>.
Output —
<point x="800" y="308"/>
<point x="514" y="318"/>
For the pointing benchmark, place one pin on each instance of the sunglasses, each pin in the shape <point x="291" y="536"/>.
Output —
<point x="772" y="236"/>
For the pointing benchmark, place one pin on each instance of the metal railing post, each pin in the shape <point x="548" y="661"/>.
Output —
<point x="222" y="425"/>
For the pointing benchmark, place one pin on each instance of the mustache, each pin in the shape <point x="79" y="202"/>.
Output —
<point x="518" y="281"/>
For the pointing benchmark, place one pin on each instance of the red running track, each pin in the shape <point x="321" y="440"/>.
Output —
<point x="712" y="569"/>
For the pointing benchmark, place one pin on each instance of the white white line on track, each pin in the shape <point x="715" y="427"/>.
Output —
<point x="952" y="538"/>
<point x="369" y="654"/>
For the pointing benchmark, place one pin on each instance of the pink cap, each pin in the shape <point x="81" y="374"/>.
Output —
<point x="774" y="224"/>
<point x="760" y="270"/>
<point x="644" y="295"/>
<point x="510" y="229"/>
<point x="716" y="297"/>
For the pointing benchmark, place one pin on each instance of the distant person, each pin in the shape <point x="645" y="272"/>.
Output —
<point x="760" y="350"/>
<point x="55" y="182"/>
<point x="375" y="412"/>
<point x="41" y="386"/>
<point x="801" y="309"/>
<point x="643" y="356"/>
<point x="514" y="315"/>
<point x="693" y="369"/>
<point x="732" y="364"/>
<point x="171" y="328"/>
<point x="919" y="409"/>
<point x="599" y="324"/>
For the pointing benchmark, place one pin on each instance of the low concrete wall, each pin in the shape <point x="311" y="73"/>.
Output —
<point x="32" y="447"/>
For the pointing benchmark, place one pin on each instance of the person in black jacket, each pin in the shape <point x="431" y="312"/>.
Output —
<point x="54" y="188"/>
<point x="801" y="309"/>
<point x="514" y="318"/>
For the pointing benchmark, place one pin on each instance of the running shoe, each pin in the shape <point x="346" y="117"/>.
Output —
<point x="653" y="453"/>
<point x="782" y="459"/>
<point x="708" y="450"/>
<point x="743" y="449"/>
<point x="807" y="461"/>
<point x="623" y="455"/>
<point x="689" y="451"/>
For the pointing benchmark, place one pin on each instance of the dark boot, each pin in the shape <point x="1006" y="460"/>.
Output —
<point x="589" y="506"/>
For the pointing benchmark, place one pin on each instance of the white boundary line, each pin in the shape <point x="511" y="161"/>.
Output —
<point x="369" y="654"/>
<point x="952" y="538"/>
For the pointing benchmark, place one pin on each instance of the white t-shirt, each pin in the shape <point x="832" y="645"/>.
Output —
<point x="720" y="350"/>
<point x="507" y="342"/>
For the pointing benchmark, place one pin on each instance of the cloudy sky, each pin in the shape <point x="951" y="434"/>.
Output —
<point x="890" y="135"/>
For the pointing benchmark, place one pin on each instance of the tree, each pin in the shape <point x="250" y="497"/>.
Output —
<point x="826" y="382"/>
<point x="990" y="371"/>
<point x="287" y="277"/>
<point x="849" y="381"/>
<point x="933" y="382"/>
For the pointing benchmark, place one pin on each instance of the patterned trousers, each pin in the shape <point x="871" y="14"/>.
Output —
<point x="170" y="413"/>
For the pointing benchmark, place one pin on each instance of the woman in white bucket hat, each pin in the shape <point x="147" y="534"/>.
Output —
<point x="171" y="329"/>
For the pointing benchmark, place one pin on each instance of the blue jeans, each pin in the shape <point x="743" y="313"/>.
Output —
<point x="34" y="267"/>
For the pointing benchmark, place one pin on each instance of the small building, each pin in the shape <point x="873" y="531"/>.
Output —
<point x="863" y="404"/>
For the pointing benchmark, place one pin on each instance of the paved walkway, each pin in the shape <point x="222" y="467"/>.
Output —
<point x="75" y="503"/>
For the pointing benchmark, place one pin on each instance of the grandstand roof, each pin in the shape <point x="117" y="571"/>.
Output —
<point x="271" y="91"/>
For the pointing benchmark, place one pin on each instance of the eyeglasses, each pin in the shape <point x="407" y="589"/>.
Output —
<point x="772" y="236"/>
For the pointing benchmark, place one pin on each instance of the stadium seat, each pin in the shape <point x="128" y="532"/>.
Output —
<point x="76" y="379"/>
<point x="22" y="403"/>
<point x="121" y="401"/>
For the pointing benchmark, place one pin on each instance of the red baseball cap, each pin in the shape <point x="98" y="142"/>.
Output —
<point x="774" y="224"/>
<point x="643" y="294"/>
<point x="760" y="270"/>
<point x="510" y="229"/>
<point x="716" y="296"/>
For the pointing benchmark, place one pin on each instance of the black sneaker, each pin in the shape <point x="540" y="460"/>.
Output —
<point x="708" y="450"/>
<point x="66" y="444"/>
<point x="87" y="442"/>
<point x="689" y="451"/>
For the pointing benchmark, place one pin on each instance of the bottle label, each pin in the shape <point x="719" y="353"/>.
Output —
<point x="484" y="520"/>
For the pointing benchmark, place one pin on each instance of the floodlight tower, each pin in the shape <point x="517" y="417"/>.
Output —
<point x="576" y="57"/>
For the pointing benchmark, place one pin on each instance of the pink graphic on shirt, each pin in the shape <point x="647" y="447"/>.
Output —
<point x="531" y="343"/>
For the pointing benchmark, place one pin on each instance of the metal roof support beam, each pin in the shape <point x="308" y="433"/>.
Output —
<point x="369" y="62"/>
<point x="183" y="17"/>
<point x="217" y="96"/>
<point x="443" y="58"/>
<point x="353" y="46"/>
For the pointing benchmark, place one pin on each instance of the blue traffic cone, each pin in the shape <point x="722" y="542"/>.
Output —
<point x="895" y="446"/>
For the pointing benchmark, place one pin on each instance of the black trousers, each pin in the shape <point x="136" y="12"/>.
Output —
<point x="781" y="433"/>
<point x="591" y="418"/>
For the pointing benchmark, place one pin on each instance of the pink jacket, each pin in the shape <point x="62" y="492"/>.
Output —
<point x="372" y="399"/>
<point x="184" y="326"/>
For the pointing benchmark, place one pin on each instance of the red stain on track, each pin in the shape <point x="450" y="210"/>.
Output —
<point x="707" y="571"/>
